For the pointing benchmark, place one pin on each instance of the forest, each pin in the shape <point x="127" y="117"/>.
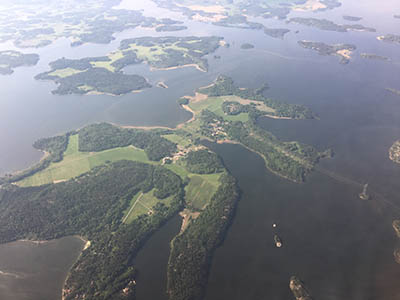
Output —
<point x="92" y="206"/>
<point x="191" y="251"/>
<point x="98" y="80"/>
<point x="11" y="59"/>
<point x="103" y="136"/>
<point x="203" y="162"/>
<point x="224" y="86"/>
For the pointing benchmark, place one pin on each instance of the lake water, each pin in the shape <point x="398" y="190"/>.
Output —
<point x="341" y="246"/>
<point x="32" y="271"/>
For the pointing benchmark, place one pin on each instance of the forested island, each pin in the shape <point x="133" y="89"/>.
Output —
<point x="10" y="59"/>
<point x="343" y="51"/>
<point x="104" y="74"/>
<point x="246" y="46"/>
<point x="394" y="152"/>
<point x="164" y="28"/>
<point x="325" y="24"/>
<point x="374" y="56"/>
<point x="83" y="22"/>
<point x="352" y="18"/>
<point x="390" y="38"/>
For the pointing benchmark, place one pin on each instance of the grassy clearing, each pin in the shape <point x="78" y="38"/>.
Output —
<point x="62" y="73"/>
<point x="113" y="56"/>
<point x="76" y="163"/>
<point x="143" y="204"/>
<point x="153" y="53"/>
<point x="180" y="140"/>
<point x="200" y="189"/>
<point x="214" y="104"/>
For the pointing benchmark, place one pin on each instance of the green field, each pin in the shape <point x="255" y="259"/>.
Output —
<point x="179" y="140"/>
<point x="113" y="56"/>
<point x="200" y="189"/>
<point x="62" y="73"/>
<point x="142" y="204"/>
<point x="76" y="163"/>
<point x="214" y="104"/>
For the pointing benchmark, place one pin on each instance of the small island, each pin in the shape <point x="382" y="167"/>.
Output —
<point x="298" y="289"/>
<point x="104" y="74"/>
<point x="164" y="28"/>
<point x="352" y="18"/>
<point x="390" y="38"/>
<point x="343" y="51"/>
<point x="394" y="152"/>
<point x="394" y="91"/>
<point x="325" y="24"/>
<point x="11" y="59"/>
<point x="246" y="46"/>
<point x="374" y="57"/>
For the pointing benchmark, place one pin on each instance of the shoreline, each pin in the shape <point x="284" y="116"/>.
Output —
<point x="152" y="68"/>
<point x="69" y="271"/>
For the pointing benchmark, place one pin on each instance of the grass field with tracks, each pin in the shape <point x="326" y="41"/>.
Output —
<point x="76" y="163"/>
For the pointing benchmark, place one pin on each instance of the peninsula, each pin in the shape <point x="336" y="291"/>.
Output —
<point x="10" y="59"/>
<point x="343" y="51"/>
<point x="135" y="179"/>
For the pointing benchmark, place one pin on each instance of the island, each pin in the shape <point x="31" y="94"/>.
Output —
<point x="343" y="51"/>
<point x="394" y="91"/>
<point x="10" y="59"/>
<point x="374" y="57"/>
<point x="396" y="255"/>
<point x="352" y="18"/>
<point x="115" y="186"/>
<point x="298" y="289"/>
<point x="34" y="24"/>
<point x="164" y="28"/>
<point x="246" y="46"/>
<point x="390" y="38"/>
<point x="325" y="24"/>
<point x="394" y="152"/>
<point x="94" y="75"/>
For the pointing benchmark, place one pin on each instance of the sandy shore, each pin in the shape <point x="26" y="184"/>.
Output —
<point x="177" y="67"/>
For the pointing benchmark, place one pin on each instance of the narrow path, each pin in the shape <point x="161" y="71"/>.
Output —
<point x="132" y="207"/>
